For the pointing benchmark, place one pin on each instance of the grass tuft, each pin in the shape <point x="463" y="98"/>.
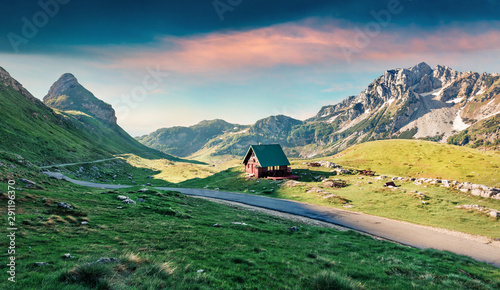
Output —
<point x="332" y="280"/>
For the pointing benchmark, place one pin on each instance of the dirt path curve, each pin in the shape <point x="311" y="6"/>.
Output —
<point x="476" y="247"/>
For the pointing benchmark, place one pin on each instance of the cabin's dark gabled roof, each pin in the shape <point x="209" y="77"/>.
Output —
<point x="267" y="155"/>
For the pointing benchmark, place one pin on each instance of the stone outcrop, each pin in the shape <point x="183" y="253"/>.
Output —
<point x="491" y="212"/>
<point x="465" y="187"/>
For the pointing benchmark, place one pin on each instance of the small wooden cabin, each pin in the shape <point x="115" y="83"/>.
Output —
<point x="267" y="161"/>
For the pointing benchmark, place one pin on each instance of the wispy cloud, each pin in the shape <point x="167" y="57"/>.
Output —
<point x="292" y="45"/>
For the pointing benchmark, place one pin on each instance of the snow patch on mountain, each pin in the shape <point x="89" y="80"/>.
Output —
<point x="459" y="124"/>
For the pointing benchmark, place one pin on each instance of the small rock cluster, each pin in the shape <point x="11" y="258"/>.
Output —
<point x="64" y="205"/>
<point x="491" y="212"/>
<point x="126" y="199"/>
<point x="466" y="187"/>
<point x="326" y="164"/>
<point x="479" y="190"/>
<point x="292" y="183"/>
<point x="30" y="184"/>
<point x="418" y="195"/>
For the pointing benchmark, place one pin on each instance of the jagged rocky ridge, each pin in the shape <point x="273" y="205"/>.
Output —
<point x="418" y="102"/>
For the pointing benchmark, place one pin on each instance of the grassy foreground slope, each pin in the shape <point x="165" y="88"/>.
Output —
<point x="415" y="158"/>
<point x="169" y="241"/>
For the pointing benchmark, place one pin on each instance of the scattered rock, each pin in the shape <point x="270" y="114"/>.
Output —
<point x="149" y="184"/>
<point x="489" y="211"/>
<point x="341" y="171"/>
<point x="42" y="264"/>
<point x="293" y="229"/>
<point x="141" y="200"/>
<point x="64" y="205"/>
<point x="143" y="190"/>
<point x="129" y="201"/>
<point x="200" y="271"/>
<point x="217" y="225"/>
<point x="122" y="197"/>
<point x="27" y="181"/>
<point x="390" y="184"/>
<point x="85" y="223"/>
<point x="67" y="256"/>
<point x="238" y="223"/>
<point x="119" y="207"/>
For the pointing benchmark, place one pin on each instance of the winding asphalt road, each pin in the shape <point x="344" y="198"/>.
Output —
<point x="401" y="232"/>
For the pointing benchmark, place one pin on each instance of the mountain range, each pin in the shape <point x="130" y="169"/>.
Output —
<point x="437" y="104"/>
<point x="71" y="124"/>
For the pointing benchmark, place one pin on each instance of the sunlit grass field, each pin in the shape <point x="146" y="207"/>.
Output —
<point x="414" y="158"/>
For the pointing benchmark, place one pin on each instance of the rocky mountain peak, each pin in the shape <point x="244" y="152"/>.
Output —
<point x="64" y="83"/>
<point x="68" y="94"/>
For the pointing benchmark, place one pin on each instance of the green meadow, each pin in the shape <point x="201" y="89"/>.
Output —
<point x="169" y="241"/>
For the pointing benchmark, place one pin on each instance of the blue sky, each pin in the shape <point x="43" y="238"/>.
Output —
<point x="169" y="63"/>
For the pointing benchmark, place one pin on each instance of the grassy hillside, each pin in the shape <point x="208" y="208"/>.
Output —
<point x="169" y="241"/>
<point x="412" y="158"/>
<point x="219" y="138"/>
<point x="44" y="136"/>
<point x="184" y="141"/>
<point x="110" y="137"/>
<point x="29" y="128"/>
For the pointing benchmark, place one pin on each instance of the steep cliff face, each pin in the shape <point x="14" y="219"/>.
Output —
<point x="68" y="95"/>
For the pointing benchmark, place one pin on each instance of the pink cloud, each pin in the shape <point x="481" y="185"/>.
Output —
<point x="295" y="45"/>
